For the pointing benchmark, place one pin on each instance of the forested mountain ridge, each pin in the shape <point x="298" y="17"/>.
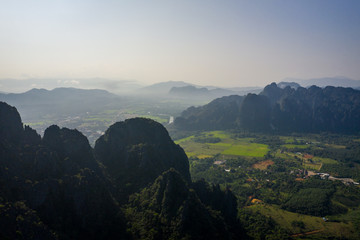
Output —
<point x="221" y="113"/>
<point x="275" y="109"/>
<point x="199" y="92"/>
<point x="171" y="198"/>
<point x="135" y="152"/>
<point x="55" y="187"/>
<point x="57" y="95"/>
<point x="38" y="105"/>
<point x="56" y="177"/>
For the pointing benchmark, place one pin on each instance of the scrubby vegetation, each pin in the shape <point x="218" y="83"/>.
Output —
<point x="282" y="185"/>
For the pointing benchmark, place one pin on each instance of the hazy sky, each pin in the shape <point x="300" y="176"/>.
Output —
<point x="223" y="43"/>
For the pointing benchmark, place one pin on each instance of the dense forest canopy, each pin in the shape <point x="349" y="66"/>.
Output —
<point x="137" y="185"/>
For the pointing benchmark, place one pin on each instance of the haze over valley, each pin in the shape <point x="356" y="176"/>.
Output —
<point x="180" y="120"/>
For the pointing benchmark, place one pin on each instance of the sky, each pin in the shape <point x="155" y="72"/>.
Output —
<point x="228" y="43"/>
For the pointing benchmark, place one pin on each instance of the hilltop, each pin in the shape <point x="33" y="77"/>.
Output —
<point x="55" y="187"/>
<point x="277" y="109"/>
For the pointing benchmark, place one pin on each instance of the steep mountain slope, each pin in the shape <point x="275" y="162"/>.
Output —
<point x="254" y="113"/>
<point x="315" y="109"/>
<point x="176" y="210"/>
<point x="136" y="151"/>
<point x="17" y="221"/>
<point x="57" y="177"/>
<point x="11" y="128"/>
<point x="221" y="113"/>
<point x="333" y="109"/>
<point x="54" y="188"/>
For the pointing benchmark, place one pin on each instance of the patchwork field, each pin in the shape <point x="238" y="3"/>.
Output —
<point x="308" y="161"/>
<point x="314" y="226"/>
<point x="325" y="160"/>
<point x="222" y="143"/>
<point x="271" y="169"/>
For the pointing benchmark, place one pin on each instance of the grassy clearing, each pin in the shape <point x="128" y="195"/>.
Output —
<point x="193" y="149"/>
<point x="218" y="134"/>
<point x="292" y="146"/>
<point x="283" y="155"/>
<point x="325" y="160"/>
<point x="287" y="140"/>
<point x="247" y="149"/>
<point x="227" y="147"/>
<point x="285" y="218"/>
<point x="203" y="156"/>
<point x="183" y="140"/>
<point x="312" y="163"/>
<point x="335" y="146"/>
<point x="263" y="165"/>
<point x="351" y="215"/>
<point x="37" y="124"/>
<point x="312" y="166"/>
<point x="191" y="154"/>
<point x="220" y="144"/>
<point x="317" y="162"/>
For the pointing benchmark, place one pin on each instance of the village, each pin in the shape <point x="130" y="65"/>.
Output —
<point x="301" y="174"/>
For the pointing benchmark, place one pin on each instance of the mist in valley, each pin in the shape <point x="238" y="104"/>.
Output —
<point x="179" y="119"/>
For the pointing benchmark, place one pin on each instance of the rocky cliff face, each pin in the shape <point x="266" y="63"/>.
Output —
<point x="135" y="152"/>
<point x="175" y="210"/>
<point x="54" y="187"/>
<point x="58" y="178"/>
<point x="254" y="113"/>
<point x="11" y="127"/>
<point x="222" y="113"/>
<point x="314" y="109"/>
<point x="72" y="147"/>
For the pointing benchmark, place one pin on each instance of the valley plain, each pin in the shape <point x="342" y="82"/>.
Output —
<point x="259" y="180"/>
<point x="269" y="174"/>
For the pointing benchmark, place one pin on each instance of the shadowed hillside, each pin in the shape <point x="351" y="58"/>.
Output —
<point x="56" y="188"/>
<point x="275" y="109"/>
<point x="131" y="148"/>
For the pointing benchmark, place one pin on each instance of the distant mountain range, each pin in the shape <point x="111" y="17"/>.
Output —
<point x="66" y="100"/>
<point x="58" y="94"/>
<point x="179" y="89"/>
<point x="201" y="92"/>
<point x="327" y="81"/>
<point x="22" y="85"/>
<point x="333" y="109"/>
<point x="130" y="87"/>
<point x="162" y="88"/>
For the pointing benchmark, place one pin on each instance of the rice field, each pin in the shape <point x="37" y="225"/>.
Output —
<point x="227" y="146"/>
